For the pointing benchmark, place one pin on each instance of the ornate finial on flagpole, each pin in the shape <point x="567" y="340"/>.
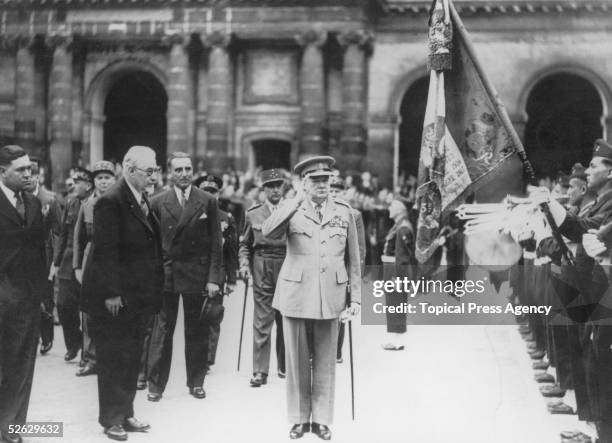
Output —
<point x="440" y="37"/>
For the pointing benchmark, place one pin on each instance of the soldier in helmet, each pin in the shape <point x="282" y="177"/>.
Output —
<point x="103" y="173"/>
<point x="69" y="290"/>
<point x="262" y="258"/>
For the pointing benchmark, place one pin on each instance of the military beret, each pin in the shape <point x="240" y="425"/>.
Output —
<point x="103" y="166"/>
<point x="563" y="180"/>
<point x="579" y="172"/>
<point x="210" y="183"/>
<point x="272" y="176"/>
<point x="602" y="148"/>
<point x="82" y="174"/>
<point x="337" y="182"/>
<point x="320" y="165"/>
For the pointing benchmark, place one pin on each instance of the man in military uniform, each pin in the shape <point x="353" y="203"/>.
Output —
<point x="69" y="289"/>
<point x="595" y="338"/>
<point x="52" y="218"/>
<point x="104" y="177"/>
<point x="264" y="257"/>
<point x="322" y="259"/>
<point x="337" y="190"/>
<point x="213" y="185"/>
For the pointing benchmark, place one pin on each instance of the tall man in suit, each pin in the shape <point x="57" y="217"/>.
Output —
<point x="22" y="278"/>
<point x="264" y="257"/>
<point x="322" y="259"/>
<point x="192" y="249"/>
<point x="123" y="280"/>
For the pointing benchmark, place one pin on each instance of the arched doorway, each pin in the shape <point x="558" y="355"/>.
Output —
<point x="135" y="114"/>
<point x="410" y="130"/>
<point x="271" y="153"/>
<point x="564" y="117"/>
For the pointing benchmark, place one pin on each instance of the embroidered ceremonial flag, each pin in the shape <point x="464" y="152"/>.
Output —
<point x="469" y="147"/>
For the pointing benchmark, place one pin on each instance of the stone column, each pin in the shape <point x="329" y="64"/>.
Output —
<point x="219" y="101"/>
<point x="178" y="101"/>
<point x="60" y="109"/>
<point x="607" y="129"/>
<point x="312" y="91"/>
<point x="354" y="132"/>
<point x="25" y="107"/>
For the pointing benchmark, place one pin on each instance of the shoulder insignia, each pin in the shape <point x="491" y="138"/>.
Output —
<point x="342" y="202"/>
<point x="255" y="206"/>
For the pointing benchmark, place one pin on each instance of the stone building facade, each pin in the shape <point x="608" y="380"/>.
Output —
<point x="247" y="83"/>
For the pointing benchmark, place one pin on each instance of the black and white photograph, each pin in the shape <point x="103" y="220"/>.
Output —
<point x="273" y="220"/>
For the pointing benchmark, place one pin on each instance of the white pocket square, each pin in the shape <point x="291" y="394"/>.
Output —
<point x="203" y="216"/>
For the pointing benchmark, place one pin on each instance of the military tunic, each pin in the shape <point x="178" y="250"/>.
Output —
<point x="265" y="257"/>
<point x="322" y="259"/>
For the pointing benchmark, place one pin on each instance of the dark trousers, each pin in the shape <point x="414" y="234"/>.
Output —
<point x="119" y="343"/>
<point x="19" y="331"/>
<point x="213" y="339"/>
<point x="265" y="275"/>
<point x="599" y="376"/>
<point x="396" y="322"/>
<point x="148" y="323"/>
<point x="196" y="342"/>
<point x="68" y="311"/>
<point x="576" y="343"/>
<point x="88" y="351"/>
<point x="46" y="315"/>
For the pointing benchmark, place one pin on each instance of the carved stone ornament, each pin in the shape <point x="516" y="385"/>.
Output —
<point x="357" y="37"/>
<point x="217" y="39"/>
<point x="311" y="37"/>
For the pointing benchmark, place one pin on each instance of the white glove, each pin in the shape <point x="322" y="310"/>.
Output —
<point x="592" y="245"/>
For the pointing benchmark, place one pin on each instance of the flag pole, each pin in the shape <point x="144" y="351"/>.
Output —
<point x="505" y="118"/>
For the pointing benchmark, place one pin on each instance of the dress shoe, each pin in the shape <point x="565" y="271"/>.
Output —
<point x="540" y="364"/>
<point x="576" y="437"/>
<point x="282" y="374"/>
<point x="321" y="431"/>
<point x="86" y="370"/>
<point x="116" y="432"/>
<point x="198" y="392"/>
<point x="82" y="363"/>
<point x="543" y="377"/>
<point x="537" y="354"/>
<point x="297" y="431"/>
<point x="12" y="437"/>
<point x="154" y="396"/>
<point x="134" y="425"/>
<point x="339" y="360"/>
<point x="45" y="347"/>
<point x="552" y="391"/>
<point x="392" y="347"/>
<point x="141" y="385"/>
<point x="71" y="355"/>
<point x="258" y="380"/>
<point x="559" y="408"/>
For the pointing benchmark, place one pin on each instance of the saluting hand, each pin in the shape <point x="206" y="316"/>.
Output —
<point x="113" y="305"/>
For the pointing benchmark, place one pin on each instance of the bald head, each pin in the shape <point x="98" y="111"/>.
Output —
<point x="140" y="167"/>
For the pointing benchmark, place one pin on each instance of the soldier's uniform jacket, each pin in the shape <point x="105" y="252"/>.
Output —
<point x="83" y="233"/>
<point x="63" y="252"/>
<point x="230" y="246"/>
<point x="253" y="239"/>
<point x="314" y="276"/>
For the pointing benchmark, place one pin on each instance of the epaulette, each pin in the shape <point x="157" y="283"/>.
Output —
<point x="255" y="206"/>
<point x="342" y="202"/>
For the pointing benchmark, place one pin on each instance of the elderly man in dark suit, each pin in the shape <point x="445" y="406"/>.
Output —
<point x="22" y="278"/>
<point x="192" y="248"/>
<point x="123" y="279"/>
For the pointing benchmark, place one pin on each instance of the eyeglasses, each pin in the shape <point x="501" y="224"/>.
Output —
<point x="149" y="171"/>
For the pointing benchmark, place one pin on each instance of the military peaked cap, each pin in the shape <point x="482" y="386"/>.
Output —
<point x="315" y="166"/>
<point x="272" y="176"/>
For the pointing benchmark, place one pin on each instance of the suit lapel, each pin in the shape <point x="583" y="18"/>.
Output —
<point x="135" y="206"/>
<point x="8" y="209"/>
<point x="191" y="208"/>
<point x="172" y="205"/>
<point x="309" y="211"/>
<point x="330" y="210"/>
<point x="30" y="213"/>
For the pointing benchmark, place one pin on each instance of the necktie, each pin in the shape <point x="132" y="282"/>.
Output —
<point x="19" y="205"/>
<point x="319" y="208"/>
<point x="183" y="198"/>
<point x="144" y="206"/>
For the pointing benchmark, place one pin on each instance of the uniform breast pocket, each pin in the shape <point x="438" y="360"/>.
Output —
<point x="300" y="230"/>
<point x="338" y="235"/>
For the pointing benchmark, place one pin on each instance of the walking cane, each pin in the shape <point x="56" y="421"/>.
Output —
<point x="350" y="328"/>
<point x="246" y="288"/>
